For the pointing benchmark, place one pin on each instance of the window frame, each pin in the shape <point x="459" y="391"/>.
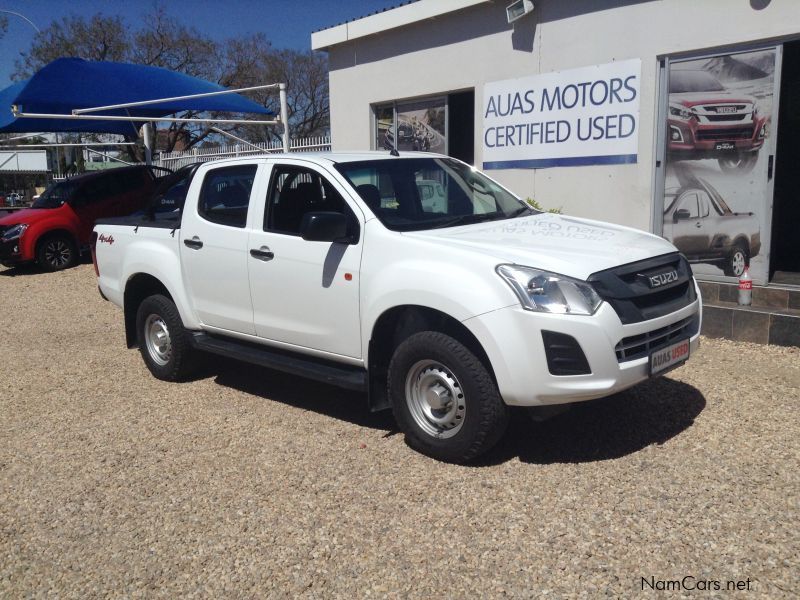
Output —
<point x="201" y="212"/>
<point x="279" y="168"/>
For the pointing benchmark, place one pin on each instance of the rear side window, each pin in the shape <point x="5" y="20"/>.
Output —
<point x="225" y="195"/>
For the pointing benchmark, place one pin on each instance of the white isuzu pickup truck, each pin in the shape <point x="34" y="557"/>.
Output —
<point x="334" y="267"/>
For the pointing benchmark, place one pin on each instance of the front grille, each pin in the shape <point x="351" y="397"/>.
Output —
<point x="564" y="354"/>
<point x="739" y="133"/>
<point x="638" y="346"/>
<point x="728" y="117"/>
<point x="720" y="108"/>
<point x="628" y="291"/>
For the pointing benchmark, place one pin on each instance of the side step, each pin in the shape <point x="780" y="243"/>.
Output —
<point x="343" y="376"/>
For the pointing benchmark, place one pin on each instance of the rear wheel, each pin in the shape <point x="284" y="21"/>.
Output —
<point x="57" y="252"/>
<point x="444" y="399"/>
<point x="163" y="340"/>
<point x="737" y="260"/>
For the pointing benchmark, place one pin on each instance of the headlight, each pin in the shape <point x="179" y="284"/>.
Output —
<point x="756" y="109"/>
<point x="543" y="291"/>
<point x="14" y="232"/>
<point x="680" y="111"/>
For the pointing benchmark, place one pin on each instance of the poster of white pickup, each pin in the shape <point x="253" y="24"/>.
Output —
<point x="585" y="116"/>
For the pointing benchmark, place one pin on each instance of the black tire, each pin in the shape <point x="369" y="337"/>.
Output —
<point x="738" y="163"/>
<point x="172" y="358"/>
<point x="56" y="252"/>
<point x="479" y="415"/>
<point x="738" y="258"/>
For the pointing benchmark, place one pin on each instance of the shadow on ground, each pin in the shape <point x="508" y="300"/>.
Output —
<point x="604" y="429"/>
<point x="338" y="403"/>
<point x="34" y="269"/>
<point x="650" y="413"/>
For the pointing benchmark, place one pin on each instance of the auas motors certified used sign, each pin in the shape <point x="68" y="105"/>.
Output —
<point x="583" y="116"/>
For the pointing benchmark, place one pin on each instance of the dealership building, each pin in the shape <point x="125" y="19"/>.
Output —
<point x="673" y="116"/>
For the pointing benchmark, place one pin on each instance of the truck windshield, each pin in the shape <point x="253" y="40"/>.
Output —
<point x="412" y="194"/>
<point x="681" y="82"/>
<point x="55" y="195"/>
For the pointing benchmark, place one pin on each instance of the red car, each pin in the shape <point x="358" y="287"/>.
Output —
<point x="58" y="225"/>
<point x="708" y="121"/>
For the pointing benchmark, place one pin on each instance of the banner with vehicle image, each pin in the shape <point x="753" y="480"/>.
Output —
<point x="716" y="188"/>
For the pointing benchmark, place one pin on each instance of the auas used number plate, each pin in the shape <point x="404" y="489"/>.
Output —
<point x="668" y="357"/>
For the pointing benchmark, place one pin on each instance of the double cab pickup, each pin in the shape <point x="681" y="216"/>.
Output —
<point x="335" y="267"/>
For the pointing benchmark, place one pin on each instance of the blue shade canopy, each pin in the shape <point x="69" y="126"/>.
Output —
<point x="70" y="83"/>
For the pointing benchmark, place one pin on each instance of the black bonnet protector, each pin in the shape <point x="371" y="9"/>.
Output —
<point x="648" y="288"/>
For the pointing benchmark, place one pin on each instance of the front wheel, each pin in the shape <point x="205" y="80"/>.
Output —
<point x="738" y="163"/>
<point x="163" y="340"/>
<point x="444" y="399"/>
<point x="57" y="252"/>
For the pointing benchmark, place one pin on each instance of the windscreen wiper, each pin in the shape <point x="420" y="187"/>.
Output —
<point x="464" y="220"/>
<point x="521" y="210"/>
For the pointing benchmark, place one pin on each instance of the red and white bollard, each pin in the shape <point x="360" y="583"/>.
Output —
<point x="746" y="287"/>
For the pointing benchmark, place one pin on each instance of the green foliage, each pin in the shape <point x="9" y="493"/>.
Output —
<point x="534" y="204"/>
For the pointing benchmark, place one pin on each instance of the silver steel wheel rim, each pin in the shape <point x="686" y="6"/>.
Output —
<point x="157" y="340"/>
<point x="435" y="399"/>
<point x="57" y="253"/>
<point x="737" y="262"/>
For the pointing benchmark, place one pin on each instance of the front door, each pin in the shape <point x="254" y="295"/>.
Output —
<point x="305" y="294"/>
<point x="214" y="248"/>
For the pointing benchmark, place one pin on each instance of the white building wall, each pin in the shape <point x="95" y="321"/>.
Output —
<point x="468" y="48"/>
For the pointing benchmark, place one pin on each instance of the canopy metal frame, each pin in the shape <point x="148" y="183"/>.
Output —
<point x="88" y="114"/>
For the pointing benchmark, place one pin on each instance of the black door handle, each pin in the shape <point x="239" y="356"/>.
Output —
<point x="194" y="243"/>
<point x="262" y="253"/>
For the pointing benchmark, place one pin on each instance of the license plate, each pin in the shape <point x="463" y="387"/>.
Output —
<point x="725" y="146"/>
<point x="726" y="109"/>
<point x="669" y="357"/>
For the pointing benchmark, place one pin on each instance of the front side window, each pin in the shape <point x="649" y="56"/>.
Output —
<point x="295" y="191"/>
<point x="225" y="195"/>
<point x="689" y="203"/>
<point x="411" y="194"/>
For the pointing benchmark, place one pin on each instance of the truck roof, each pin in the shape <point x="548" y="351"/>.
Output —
<point x="335" y="157"/>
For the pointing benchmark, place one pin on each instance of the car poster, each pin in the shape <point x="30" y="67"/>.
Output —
<point x="421" y="126"/>
<point x="716" y="184"/>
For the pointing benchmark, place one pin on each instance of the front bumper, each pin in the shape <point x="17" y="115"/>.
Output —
<point x="704" y="140"/>
<point x="512" y="339"/>
<point x="10" y="252"/>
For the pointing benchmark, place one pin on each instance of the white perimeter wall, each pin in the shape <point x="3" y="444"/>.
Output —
<point x="468" y="48"/>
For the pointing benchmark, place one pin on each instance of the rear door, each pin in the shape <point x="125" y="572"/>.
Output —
<point x="305" y="294"/>
<point x="214" y="246"/>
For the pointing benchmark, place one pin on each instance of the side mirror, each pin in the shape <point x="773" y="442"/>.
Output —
<point x="681" y="215"/>
<point x="324" y="227"/>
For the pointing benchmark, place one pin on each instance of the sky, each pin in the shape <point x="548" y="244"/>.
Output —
<point x="286" y="23"/>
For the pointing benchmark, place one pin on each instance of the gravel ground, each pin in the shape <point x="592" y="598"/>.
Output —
<point x="248" y="483"/>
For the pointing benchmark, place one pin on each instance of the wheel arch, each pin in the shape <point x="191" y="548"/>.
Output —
<point x="137" y="288"/>
<point x="43" y="234"/>
<point x="398" y="323"/>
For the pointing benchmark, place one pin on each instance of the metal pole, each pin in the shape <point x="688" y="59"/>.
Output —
<point x="147" y="130"/>
<point x="80" y="111"/>
<point x="23" y="115"/>
<point x="284" y="116"/>
<point x="238" y="139"/>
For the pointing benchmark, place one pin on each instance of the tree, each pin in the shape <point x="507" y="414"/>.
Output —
<point x="99" y="38"/>
<point x="165" y="42"/>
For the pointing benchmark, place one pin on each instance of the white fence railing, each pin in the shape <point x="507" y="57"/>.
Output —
<point x="176" y="160"/>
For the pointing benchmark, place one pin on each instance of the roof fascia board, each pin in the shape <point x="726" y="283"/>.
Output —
<point x="389" y="19"/>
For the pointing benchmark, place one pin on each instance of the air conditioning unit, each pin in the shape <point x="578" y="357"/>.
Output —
<point x="517" y="10"/>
